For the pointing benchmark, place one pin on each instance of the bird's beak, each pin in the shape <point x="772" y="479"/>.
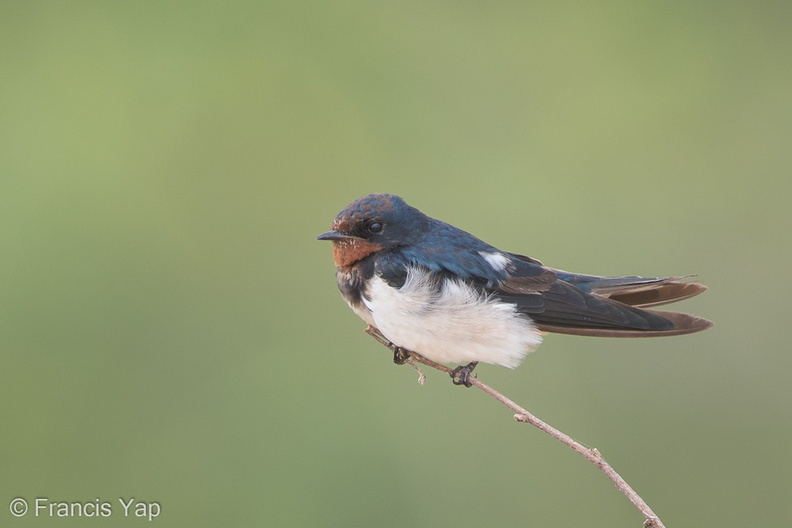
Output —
<point x="334" y="235"/>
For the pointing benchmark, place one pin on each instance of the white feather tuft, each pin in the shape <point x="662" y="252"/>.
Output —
<point x="498" y="261"/>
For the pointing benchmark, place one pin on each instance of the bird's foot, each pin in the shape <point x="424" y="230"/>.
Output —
<point x="400" y="355"/>
<point x="461" y="375"/>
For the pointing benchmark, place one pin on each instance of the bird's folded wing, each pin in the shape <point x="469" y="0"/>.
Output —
<point x="559" y="306"/>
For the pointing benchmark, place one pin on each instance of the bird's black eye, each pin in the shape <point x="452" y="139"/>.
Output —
<point x="375" y="227"/>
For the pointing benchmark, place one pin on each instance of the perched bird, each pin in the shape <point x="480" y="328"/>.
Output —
<point x="439" y="291"/>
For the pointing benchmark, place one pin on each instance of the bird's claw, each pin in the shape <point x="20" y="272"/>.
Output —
<point x="461" y="375"/>
<point x="400" y="355"/>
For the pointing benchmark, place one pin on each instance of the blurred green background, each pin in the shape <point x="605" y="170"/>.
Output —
<point x="172" y="332"/>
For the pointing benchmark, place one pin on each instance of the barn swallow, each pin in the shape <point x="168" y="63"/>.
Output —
<point x="439" y="291"/>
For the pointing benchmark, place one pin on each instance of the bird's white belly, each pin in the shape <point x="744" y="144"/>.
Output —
<point x="452" y="324"/>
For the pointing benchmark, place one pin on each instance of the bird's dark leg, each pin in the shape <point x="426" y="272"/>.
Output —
<point x="461" y="375"/>
<point x="400" y="355"/>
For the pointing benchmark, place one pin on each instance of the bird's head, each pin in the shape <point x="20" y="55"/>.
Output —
<point x="373" y="223"/>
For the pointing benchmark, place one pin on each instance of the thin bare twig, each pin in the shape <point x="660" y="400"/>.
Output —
<point x="522" y="415"/>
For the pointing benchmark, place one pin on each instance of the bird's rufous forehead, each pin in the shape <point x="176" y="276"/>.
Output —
<point x="366" y="208"/>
